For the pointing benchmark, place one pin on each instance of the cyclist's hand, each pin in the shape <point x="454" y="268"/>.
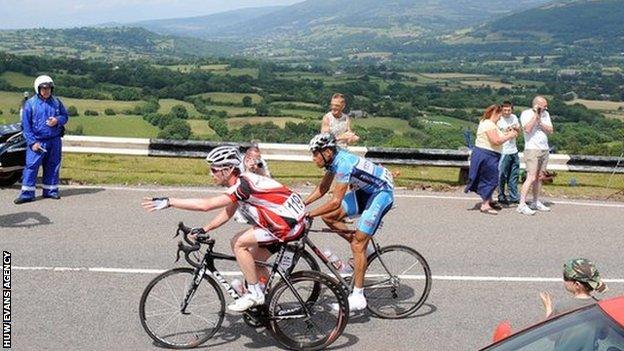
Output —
<point x="195" y="232"/>
<point x="152" y="204"/>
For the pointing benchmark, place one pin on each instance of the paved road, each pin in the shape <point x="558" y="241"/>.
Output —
<point x="470" y="254"/>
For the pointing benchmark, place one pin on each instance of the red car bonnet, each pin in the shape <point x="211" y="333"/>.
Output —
<point x="614" y="308"/>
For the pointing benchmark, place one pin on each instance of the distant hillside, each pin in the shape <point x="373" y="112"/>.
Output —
<point x="582" y="22"/>
<point x="205" y="26"/>
<point x="117" y="43"/>
<point x="329" y="27"/>
<point x="428" y="14"/>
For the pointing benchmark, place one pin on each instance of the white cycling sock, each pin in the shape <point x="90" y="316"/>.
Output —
<point x="358" y="291"/>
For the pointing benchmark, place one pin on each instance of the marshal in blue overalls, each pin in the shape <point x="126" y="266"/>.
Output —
<point x="43" y="118"/>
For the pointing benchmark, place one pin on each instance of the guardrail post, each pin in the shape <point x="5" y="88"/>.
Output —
<point x="463" y="175"/>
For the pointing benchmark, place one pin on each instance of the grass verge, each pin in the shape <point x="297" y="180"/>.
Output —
<point x="133" y="170"/>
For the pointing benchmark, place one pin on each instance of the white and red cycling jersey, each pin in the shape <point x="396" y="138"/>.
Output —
<point x="268" y="204"/>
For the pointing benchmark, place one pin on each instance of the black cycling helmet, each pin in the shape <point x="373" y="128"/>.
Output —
<point x="225" y="156"/>
<point x="322" y="141"/>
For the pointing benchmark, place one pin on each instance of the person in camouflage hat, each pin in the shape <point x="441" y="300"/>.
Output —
<point x="581" y="279"/>
<point x="583" y="271"/>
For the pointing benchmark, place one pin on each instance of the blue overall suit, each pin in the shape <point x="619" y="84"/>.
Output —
<point x="35" y="112"/>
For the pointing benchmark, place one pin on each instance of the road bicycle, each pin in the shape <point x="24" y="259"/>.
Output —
<point x="184" y="307"/>
<point x="397" y="280"/>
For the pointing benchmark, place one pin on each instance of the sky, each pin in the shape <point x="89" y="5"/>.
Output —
<point x="16" y="14"/>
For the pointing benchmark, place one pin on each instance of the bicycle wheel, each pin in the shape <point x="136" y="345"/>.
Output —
<point x="329" y="313"/>
<point x="397" y="282"/>
<point x="161" y="314"/>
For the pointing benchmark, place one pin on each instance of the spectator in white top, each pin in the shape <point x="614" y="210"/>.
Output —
<point x="337" y="122"/>
<point x="537" y="126"/>
<point x="509" y="165"/>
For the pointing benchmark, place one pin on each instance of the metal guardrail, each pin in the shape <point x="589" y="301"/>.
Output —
<point x="298" y="152"/>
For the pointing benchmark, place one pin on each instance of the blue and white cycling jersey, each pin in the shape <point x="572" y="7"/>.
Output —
<point x="360" y="172"/>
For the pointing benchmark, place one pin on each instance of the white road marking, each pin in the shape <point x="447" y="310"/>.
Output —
<point x="399" y="195"/>
<point x="466" y="278"/>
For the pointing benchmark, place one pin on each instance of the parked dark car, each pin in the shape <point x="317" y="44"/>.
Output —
<point x="12" y="153"/>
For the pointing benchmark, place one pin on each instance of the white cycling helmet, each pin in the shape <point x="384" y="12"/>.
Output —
<point x="225" y="156"/>
<point x="322" y="141"/>
<point x="41" y="80"/>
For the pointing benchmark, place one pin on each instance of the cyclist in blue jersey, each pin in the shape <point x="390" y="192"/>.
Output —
<point x="370" y="197"/>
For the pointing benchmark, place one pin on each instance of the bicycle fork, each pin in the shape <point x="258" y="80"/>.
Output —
<point x="190" y="292"/>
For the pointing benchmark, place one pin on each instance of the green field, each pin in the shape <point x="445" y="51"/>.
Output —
<point x="452" y="75"/>
<point x="114" y="126"/>
<point x="455" y="122"/>
<point x="11" y="100"/>
<point x="253" y="72"/>
<point x="490" y="83"/>
<point x="167" y="104"/>
<point x="236" y="98"/>
<point x="599" y="104"/>
<point x="200" y="128"/>
<point x="189" y="68"/>
<point x="303" y="113"/>
<point x="18" y="79"/>
<point x="400" y="126"/>
<point x="238" y="122"/>
<point x="232" y="111"/>
<point x="296" y="103"/>
<point x="8" y="101"/>
<point x="100" y="105"/>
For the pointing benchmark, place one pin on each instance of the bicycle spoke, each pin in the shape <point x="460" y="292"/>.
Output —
<point x="165" y="322"/>
<point x="397" y="295"/>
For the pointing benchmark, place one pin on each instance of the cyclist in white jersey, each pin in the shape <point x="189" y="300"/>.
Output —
<point x="371" y="197"/>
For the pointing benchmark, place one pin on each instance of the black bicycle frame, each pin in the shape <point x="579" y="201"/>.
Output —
<point x="207" y="266"/>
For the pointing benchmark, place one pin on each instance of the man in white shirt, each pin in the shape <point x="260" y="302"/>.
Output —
<point x="509" y="164"/>
<point x="337" y="122"/>
<point x="537" y="126"/>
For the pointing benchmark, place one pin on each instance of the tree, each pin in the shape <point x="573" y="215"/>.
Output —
<point x="179" y="111"/>
<point x="177" y="129"/>
<point x="262" y="109"/>
<point x="219" y="126"/>
<point x="247" y="102"/>
<point x="72" y="111"/>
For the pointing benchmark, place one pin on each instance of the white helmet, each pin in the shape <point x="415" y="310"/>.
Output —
<point x="41" y="80"/>
<point x="322" y="141"/>
<point x="225" y="156"/>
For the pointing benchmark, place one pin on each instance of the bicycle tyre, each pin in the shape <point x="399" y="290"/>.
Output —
<point x="386" y="301"/>
<point x="282" y="316"/>
<point x="174" y="284"/>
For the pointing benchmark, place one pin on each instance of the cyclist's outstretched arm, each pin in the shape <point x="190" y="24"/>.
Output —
<point x="206" y="204"/>
<point x="337" y="195"/>
<point x="320" y="189"/>
<point x="221" y="218"/>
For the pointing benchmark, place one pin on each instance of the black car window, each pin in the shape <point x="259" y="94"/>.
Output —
<point x="587" y="329"/>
